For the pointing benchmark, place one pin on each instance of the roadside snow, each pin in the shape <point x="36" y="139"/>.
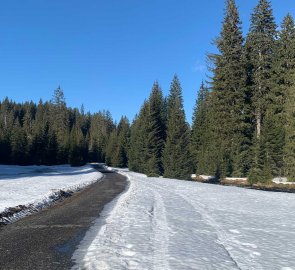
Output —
<point x="282" y="180"/>
<point x="165" y="224"/>
<point x="38" y="185"/>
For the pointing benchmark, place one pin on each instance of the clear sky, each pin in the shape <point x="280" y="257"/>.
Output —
<point x="106" y="54"/>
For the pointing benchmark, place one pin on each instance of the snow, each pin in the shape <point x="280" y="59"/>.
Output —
<point x="236" y="179"/>
<point x="282" y="180"/>
<point x="206" y="177"/>
<point x="165" y="224"/>
<point x="36" y="185"/>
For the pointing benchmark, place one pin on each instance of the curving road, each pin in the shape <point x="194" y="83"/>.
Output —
<point x="47" y="240"/>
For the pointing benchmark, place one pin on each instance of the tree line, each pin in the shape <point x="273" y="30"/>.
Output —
<point x="244" y="118"/>
<point x="243" y="122"/>
<point x="51" y="133"/>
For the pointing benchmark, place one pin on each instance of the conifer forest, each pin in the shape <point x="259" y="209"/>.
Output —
<point x="243" y="122"/>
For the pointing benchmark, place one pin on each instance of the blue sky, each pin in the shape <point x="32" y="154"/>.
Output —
<point x="107" y="54"/>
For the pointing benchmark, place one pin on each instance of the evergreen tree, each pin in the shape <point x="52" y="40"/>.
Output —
<point x="155" y="132"/>
<point x="148" y="135"/>
<point x="260" y="48"/>
<point x="51" y="148"/>
<point x="176" y="154"/>
<point x="261" y="44"/>
<point x="123" y="142"/>
<point x="289" y="150"/>
<point x="60" y="123"/>
<point x="138" y="151"/>
<point x="6" y="126"/>
<point x="199" y="133"/>
<point x="76" y="151"/>
<point x="19" y="146"/>
<point x="38" y="146"/>
<point x="229" y="88"/>
<point x="284" y="100"/>
<point x="111" y="150"/>
<point x="118" y="145"/>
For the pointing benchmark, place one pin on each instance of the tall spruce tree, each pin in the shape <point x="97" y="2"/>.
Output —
<point x="123" y="142"/>
<point x="289" y="151"/>
<point x="118" y="145"/>
<point x="138" y="151"/>
<point x="261" y="44"/>
<point x="6" y="125"/>
<point x="60" y="123"/>
<point x="286" y="85"/>
<point x="111" y="150"/>
<point x="76" y="149"/>
<point x="229" y="91"/>
<point x="260" y="47"/>
<point x="176" y="154"/>
<point x="148" y="134"/>
<point x="156" y="132"/>
<point x="19" y="145"/>
<point x="199" y="134"/>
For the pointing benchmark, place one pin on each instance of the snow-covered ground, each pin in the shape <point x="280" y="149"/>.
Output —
<point x="36" y="185"/>
<point x="165" y="224"/>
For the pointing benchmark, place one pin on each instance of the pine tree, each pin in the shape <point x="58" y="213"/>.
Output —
<point x="58" y="98"/>
<point x="287" y="41"/>
<point x="148" y="135"/>
<point x="176" y="154"/>
<point x="112" y="158"/>
<point x="40" y="128"/>
<point x="76" y="150"/>
<point x="260" y="52"/>
<point x="138" y="151"/>
<point x="260" y="48"/>
<point x="6" y="124"/>
<point x="155" y="132"/>
<point x="60" y="123"/>
<point x="51" y="149"/>
<point x="199" y="133"/>
<point x="123" y="142"/>
<point x="289" y="150"/>
<point x="284" y="64"/>
<point x="38" y="146"/>
<point x="19" y="145"/>
<point x="229" y="91"/>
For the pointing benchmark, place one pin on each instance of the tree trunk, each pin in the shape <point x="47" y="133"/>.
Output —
<point x="258" y="124"/>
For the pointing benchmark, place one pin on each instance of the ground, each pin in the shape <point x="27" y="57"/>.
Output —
<point x="156" y="223"/>
<point x="170" y="224"/>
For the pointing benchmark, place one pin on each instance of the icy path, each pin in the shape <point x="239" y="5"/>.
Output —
<point x="164" y="224"/>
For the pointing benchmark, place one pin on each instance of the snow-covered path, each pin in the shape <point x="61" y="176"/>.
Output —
<point x="164" y="224"/>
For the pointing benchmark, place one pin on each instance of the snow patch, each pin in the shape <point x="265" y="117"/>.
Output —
<point x="28" y="189"/>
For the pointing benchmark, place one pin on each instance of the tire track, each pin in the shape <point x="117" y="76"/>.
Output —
<point x="221" y="234"/>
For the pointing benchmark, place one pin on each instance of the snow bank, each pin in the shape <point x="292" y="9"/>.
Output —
<point x="31" y="188"/>
<point x="165" y="224"/>
<point x="244" y="179"/>
<point x="282" y="180"/>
